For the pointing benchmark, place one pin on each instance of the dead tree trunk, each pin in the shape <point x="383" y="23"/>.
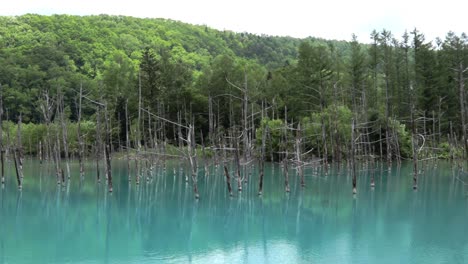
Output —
<point x="226" y="171"/>
<point x="381" y="143"/>
<point x="300" y="165"/>
<point x="387" y="117"/>
<point x="59" y="171"/>
<point x="2" y="146"/>
<point x="205" y="159"/>
<point x="439" y="123"/>
<point x="451" y="142"/>
<point x="19" y="156"/>
<point x="434" y="141"/>
<point x="79" y="135"/>
<point x="56" y="162"/>
<point x="20" y="147"/>
<point x="245" y="125"/>
<point x="180" y="139"/>
<point x="145" y="147"/>
<point x="152" y="143"/>
<point x="286" y="172"/>
<point x="353" y="161"/>
<point x="64" y="135"/>
<point x="104" y="146"/>
<point x="228" y="179"/>
<point x="285" y="158"/>
<point x="325" y="147"/>
<point x="108" y="150"/>
<point x="97" y="145"/>
<point x="8" y="138"/>
<point x="461" y="88"/>
<point x="127" y="140"/>
<point x="41" y="158"/>
<point x="211" y="128"/>
<point x="372" y="169"/>
<point x="414" y="150"/>
<point x="138" y="132"/>
<point x="262" y="160"/>
<point x="18" y="176"/>
<point x="192" y="156"/>
<point x="46" y="108"/>
<point x="2" y="157"/>
<point x="238" y="165"/>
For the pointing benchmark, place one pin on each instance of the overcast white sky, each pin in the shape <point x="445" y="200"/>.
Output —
<point x="330" y="19"/>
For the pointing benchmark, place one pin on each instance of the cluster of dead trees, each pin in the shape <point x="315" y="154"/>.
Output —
<point x="148" y="144"/>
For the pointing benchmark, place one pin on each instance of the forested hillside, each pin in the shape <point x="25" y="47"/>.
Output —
<point x="401" y="93"/>
<point x="44" y="52"/>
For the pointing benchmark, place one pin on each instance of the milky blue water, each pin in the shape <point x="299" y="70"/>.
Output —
<point x="159" y="221"/>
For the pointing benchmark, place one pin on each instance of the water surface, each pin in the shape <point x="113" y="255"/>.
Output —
<point x="159" y="221"/>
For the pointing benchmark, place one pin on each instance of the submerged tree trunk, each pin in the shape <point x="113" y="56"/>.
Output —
<point x="18" y="176"/>
<point x="20" y="148"/>
<point x="387" y="128"/>
<point x="127" y="140"/>
<point x="138" y="133"/>
<point x="286" y="173"/>
<point x="285" y="159"/>
<point x="353" y="161"/>
<point x="325" y="147"/>
<point x="192" y="156"/>
<point x="262" y="160"/>
<point x="372" y="169"/>
<point x="46" y="108"/>
<point x="2" y="146"/>
<point x="238" y="165"/>
<point x="300" y="165"/>
<point x="79" y="135"/>
<point x="205" y="158"/>
<point x="97" y="145"/>
<point x="59" y="171"/>
<point x="415" y="163"/>
<point x="228" y="179"/>
<point x="41" y="158"/>
<point x="107" y="150"/>
<point x="226" y="171"/>
<point x="64" y="135"/>
<point x="18" y="157"/>
<point x="2" y="159"/>
<point x="245" y="133"/>
<point x="414" y="150"/>
<point x="181" y="144"/>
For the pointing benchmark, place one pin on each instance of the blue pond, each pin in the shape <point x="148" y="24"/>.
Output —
<point x="159" y="221"/>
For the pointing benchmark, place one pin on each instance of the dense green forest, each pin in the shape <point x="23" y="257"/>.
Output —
<point x="394" y="98"/>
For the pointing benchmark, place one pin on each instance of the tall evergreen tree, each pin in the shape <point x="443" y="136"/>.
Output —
<point x="457" y="49"/>
<point x="357" y="72"/>
<point x="150" y="77"/>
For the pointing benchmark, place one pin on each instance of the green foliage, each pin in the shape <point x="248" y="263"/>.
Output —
<point x="404" y="137"/>
<point x="447" y="151"/>
<point x="337" y="122"/>
<point x="32" y="134"/>
<point x="275" y="134"/>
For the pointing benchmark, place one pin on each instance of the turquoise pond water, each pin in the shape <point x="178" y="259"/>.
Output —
<point x="160" y="221"/>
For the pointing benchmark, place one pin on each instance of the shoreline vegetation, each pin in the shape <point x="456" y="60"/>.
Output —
<point x="149" y="90"/>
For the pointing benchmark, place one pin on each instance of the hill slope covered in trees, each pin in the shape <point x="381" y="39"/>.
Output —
<point x="42" y="52"/>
